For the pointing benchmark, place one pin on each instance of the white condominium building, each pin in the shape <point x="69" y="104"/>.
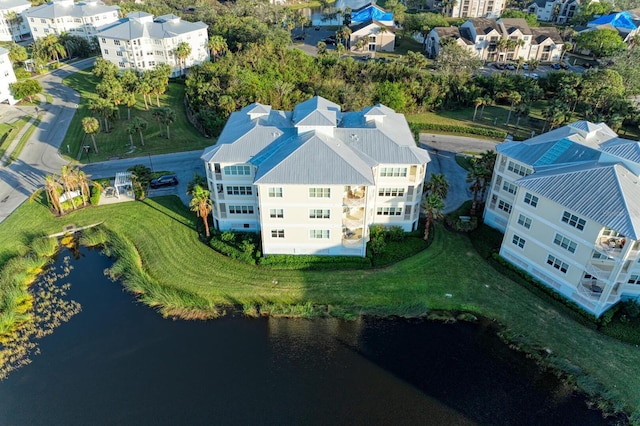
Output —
<point x="80" y="19"/>
<point x="568" y="202"/>
<point x="12" y="24"/>
<point x="141" y="42"/>
<point x="313" y="180"/>
<point x="6" y="77"/>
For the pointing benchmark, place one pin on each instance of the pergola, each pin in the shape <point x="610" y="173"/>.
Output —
<point x="122" y="181"/>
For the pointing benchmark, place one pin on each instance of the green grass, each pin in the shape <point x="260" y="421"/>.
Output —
<point x="184" y="137"/>
<point x="464" y="161"/>
<point x="23" y="141"/>
<point x="8" y="133"/>
<point x="180" y="266"/>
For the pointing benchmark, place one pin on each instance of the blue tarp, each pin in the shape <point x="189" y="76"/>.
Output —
<point x="617" y="20"/>
<point x="369" y="13"/>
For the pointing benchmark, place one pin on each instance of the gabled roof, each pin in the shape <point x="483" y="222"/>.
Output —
<point x="608" y="194"/>
<point x="357" y="27"/>
<point x="317" y="103"/>
<point x="138" y="24"/>
<point x="58" y="9"/>
<point x="540" y="3"/>
<point x="549" y="152"/>
<point x="333" y="163"/>
<point x="618" y="20"/>
<point x="513" y="24"/>
<point x="484" y="26"/>
<point x="540" y="34"/>
<point x="623" y="148"/>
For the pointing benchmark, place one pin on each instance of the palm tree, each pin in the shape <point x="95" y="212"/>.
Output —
<point x="479" y="102"/>
<point x="433" y="205"/>
<point x="140" y="125"/>
<point x="69" y="182"/>
<point x="157" y="114"/>
<point x="513" y="97"/>
<point x="217" y="45"/>
<point x="168" y="117"/>
<point x="522" y="110"/>
<point x="91" y="126"/>
<point x="131" y="130"/>
<point x="476" y="177"/>
<point x="438" y="185"/>
<point x="201" y="204"/>
<point x="104" y="108"/>
<point x="182" y="52"/>
<point x="129" y="99"/>
<point x="144" y="88"/>
<point x="488" y="161"/>
<point x="49" y="48"/>
<point x="488" y="100"/>
<point x="52" y="188"/>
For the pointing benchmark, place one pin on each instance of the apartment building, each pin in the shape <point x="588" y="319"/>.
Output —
<point x="7" y="77"/>
<point x="12" y="24"/>
<point x="140" y="42"/>
<point x="503" y="39"/>
<point x="80" y="19"/>
<point x="568" y="202"/>
<point x="558" y="11"/>
<point x="475" y="8"/>
<point x="313" y="180"/>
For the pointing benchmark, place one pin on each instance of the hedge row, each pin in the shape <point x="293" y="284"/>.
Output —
<point x="451" y="128"/>
<point x="232" y="252"/>
<point x="308" y="262"/>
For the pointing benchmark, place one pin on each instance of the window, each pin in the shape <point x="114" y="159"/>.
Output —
<point x="518" y="241"/>
<point x="573" y="220"/>
<point x="275" y="192"/>
<point x="320" y="192"/>
<point x="119" y="53"/>
<point x="276" y="213"/>
<point x="239" y="190"/>
<point x="524" y="221"/>
<point x="518" y="169"/>
<point x="237" y="170"/>
<point x="121" y="64"/>
<point x="389" y="211"/>
<point x="106" y="51"/>
<point x="565" y="243"/>
<point x="509" y="187"/>
<point x="393" y="172"/>
<point x="391" y="192"/>
<point x="633" y="279"/>
<point x="531" y="199"/>
<point x="116" y="42"/>
<point x="240" y="209"/>
<point x="504" y="206"/>
<point x="277" y="233"/>
<point x="558" y="264"/>
<point x="104" y="40"/>
<point x="598" y="255"/>
<point x="319" y="233"/>
<point x="319" y="214"/>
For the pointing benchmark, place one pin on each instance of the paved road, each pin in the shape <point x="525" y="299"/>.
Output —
<point x="40" y="156"/>
<point x="443" y="150"/>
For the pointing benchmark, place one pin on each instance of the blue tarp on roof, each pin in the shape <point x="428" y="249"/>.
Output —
<point x="371" y="12"/>
<point x="616" y="20"/>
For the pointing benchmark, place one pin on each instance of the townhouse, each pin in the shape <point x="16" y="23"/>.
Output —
<point x="375" y="35"/>
<point x="474" y="8"/>
<point x="80" y="19"/>
<point x="140" y="42"/>
<point x="12" y="24"/>
<point x="500" y="40"/>
<point x="558" y="11"/>
<point x="568" y="202"/>
<point x="313" y="180"/>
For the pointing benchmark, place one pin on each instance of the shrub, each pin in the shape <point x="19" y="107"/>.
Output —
<point x="631" y="308"/>
<point x="396" y="233"/>
<point x="242" y="246"/>
<point x="377" y="242"/>
<point x="310" y="262"/>
<point x="450" y="128"/>
<point x="94" y="199"/>
<point x="228" y="236"/>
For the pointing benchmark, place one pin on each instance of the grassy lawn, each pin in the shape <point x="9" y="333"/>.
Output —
<point x="8" y="133"/>
<point x="184" y="137"/>
<point x="451" y="266"/>
<point x="23" y="141"/>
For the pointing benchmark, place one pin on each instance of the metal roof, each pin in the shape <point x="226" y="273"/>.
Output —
<point x="13" y="4"/>
<point x="623" y="148"/>
<point x="77" y="10"/>
<point x="608" y="194"/>
<point x="134" y="27"/>
<point x="346" y="152"/>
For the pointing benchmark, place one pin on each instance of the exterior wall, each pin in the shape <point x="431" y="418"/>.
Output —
<point x="7" y="77"/>
<point x="145" y="53"/>
<point x="375" y="39"/>
<point x="477" y="9"/>
<point x="14" y="29"/>
<point x="542" y="13"/>
<point x="86" y="26"/>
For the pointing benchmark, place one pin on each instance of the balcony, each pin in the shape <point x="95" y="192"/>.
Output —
<point x="351" y="237"/>
<point x="355" y="197"/>
<point x="611" y="246"/>
<point x="600" y="273"/>
<point x="353" y="217"/>
<point x="591" y="289"/>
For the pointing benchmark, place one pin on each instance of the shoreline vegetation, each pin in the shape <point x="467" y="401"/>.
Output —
<point x="176" y="274"/>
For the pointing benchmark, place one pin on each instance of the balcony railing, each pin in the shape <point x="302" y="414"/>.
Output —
<point x="600" y="273"/>
<point x="591" y="289"/>
<point x="351" y="237"/>
<point x="611" y="246"/>
<point x="353" y="218"/>
<point x="353" y="201"/>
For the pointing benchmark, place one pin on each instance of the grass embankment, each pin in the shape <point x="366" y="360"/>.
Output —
<point x="116" y="143"/>
<point x="449" y="275"/>
<point x="23" y="141"/>
<point x="8" y="133"/>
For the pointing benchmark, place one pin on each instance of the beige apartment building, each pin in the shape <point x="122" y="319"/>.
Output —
<point x="313" y="180"/>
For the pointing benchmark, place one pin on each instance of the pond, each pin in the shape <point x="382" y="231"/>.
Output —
<point x="119" y="362"/>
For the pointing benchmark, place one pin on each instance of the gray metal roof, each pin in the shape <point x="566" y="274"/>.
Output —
<point x="343" y="154"/>
<point x="135" y="26"/>
<point x="623" y="148"/>
<point x="608" y="194"/>
<point x="11" y="4"/>
<point x="313" y="159"/>
<point x="77" y="10"/>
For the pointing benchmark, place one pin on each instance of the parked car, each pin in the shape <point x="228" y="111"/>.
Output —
<point x="587" y="65"/>
<point x="555" y="66"/>
<point x="564" y="66"/>
<point x="525" y="66"/>
<point x="298" y="38"/>
<point x="166" y="180"/>
<point x="498" y="65"/>
<point x="329" y="41"/>
<point x="511" y="67"/>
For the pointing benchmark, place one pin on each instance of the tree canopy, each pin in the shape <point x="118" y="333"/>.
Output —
<point x="601" y="42"/>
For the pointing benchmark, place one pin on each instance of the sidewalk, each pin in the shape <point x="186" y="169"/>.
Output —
<point x="16" y="139"/>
